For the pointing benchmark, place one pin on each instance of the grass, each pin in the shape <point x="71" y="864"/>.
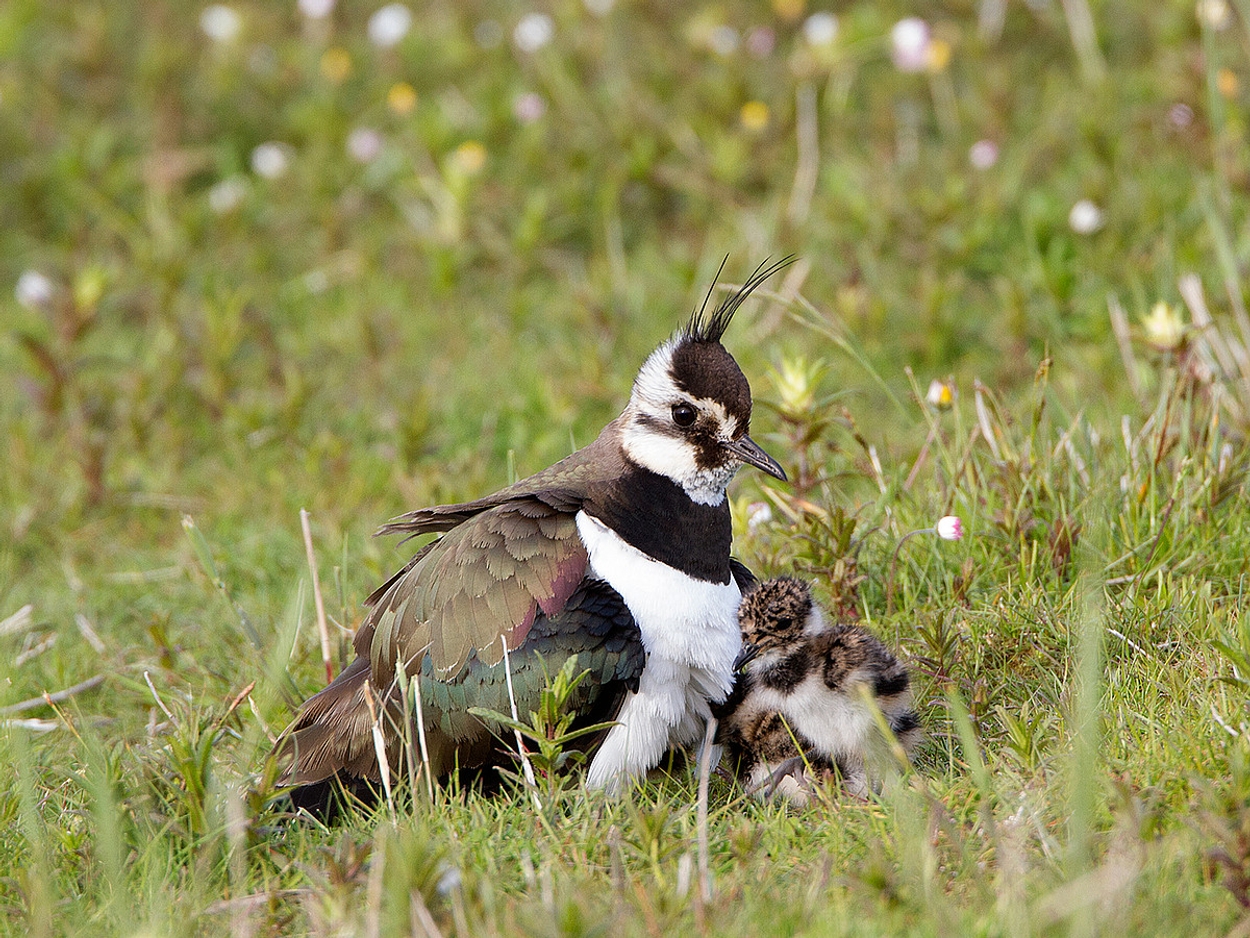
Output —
<point x="221" y="349"/>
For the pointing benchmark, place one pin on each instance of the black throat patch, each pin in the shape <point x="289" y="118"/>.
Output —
<point x="655" y="515"/>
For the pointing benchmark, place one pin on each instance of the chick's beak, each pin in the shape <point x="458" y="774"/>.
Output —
<point x="746" y="656"/>
<point x="749" y="452"/>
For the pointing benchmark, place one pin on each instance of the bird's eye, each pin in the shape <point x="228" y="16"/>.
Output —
<point x="784" y="622"/>
<point x="684" y="415"/>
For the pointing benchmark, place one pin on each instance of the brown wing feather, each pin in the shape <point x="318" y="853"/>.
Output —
<point x="472" y="586"/>
<point x="439" y="604"/>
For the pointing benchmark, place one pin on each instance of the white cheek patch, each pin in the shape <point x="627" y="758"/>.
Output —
<point x="671" y="454"/>
<point x="667" y="455"/>
<point x="674" y="458"/>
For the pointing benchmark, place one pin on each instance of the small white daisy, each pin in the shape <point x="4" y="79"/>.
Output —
<point x="221" y="23"/>
<point x="983" y="154"/>
<point x="950" y="528"/>
<point x="34" y="290"/>
<point x="820" y="29"/>
<point x="316" y="9"/>
<point x="909" y="44"/>
<point x="270" y="160"/>
<point x="364" y="144"/>
<point x="529" y="107"/>
<point x="534" y="31"/>
<point x="389" y="25"/>
<point x="1085" y="217"/>
<point x="1214" y="13"/>
<point x="227" y="195"/>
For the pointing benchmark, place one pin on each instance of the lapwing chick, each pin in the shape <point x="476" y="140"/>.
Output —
<point x="805" y="696"/>
<point x="618" y="554"/>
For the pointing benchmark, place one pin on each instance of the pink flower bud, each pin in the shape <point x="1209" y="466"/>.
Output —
<point x="910" y="41"/>
<point x="950" y="528"/>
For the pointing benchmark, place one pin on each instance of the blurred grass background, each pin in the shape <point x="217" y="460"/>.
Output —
<point x="261" y="260"/>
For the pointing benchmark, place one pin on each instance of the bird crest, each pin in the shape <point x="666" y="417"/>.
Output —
<point x="705" y="327"/>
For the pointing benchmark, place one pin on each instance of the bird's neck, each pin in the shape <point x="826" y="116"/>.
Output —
<point x="782" y="670"/>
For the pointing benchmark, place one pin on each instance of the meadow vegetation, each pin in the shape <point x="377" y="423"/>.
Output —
<point x="259" y="260"/>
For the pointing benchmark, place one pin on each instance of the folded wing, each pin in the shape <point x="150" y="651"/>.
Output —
<point x="511" y="573"/>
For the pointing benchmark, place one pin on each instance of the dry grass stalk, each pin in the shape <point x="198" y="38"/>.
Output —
<point x="322" y="629"/>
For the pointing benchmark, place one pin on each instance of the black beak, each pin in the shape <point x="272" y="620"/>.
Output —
<point x="745" y="657"/>
<point x="750" y="453"/>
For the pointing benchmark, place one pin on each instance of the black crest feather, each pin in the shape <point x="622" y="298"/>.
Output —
<point x="705" y="328"/>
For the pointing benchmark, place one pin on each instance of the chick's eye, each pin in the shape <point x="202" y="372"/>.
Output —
<point x="684" y="415"/>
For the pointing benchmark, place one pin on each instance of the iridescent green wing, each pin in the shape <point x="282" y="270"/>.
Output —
<point x="595" y="626"/>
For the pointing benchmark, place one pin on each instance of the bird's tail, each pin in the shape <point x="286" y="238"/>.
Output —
<point x="893" y="689"/>
<point x="333" y="732"/>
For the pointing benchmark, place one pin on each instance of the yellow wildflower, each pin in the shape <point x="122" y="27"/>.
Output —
<point x="789" y="10"/>
<point x="336" y="64"/>
<point x="470" y="157"/>
<point x="1164" y="328"/>
<point x="402" y="98"/>
<point x="755" y="116"/>
<point x="938" y="55"/>
<point x="1227" y="82"/>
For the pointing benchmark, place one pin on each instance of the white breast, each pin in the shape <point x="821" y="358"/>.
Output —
<point x="690" y="631"/>
<point x="838" y="722"/>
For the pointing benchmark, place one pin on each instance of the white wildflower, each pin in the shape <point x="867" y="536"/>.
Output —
<point x="316" y="9"/>
<point x="364" y="144"/>
<point x="820" y="29"/>
<point x="529" y="107"/>
<point x="270" y="160"/>
<point x="221" y="23"/>
<point x="34" y="290"/>
<point x="227" y="195"/>
<point x="909" y="44"/>
<point x="388" y="25"/>
<point x="1085" y="217"/>
<point x="1214" y="13"/>
<point x="949" y="528"/>
<point x="534" y="31"/>
<point x="983" y="154"/>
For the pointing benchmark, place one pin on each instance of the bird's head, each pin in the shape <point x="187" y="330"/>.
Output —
<point x="773" y="616"/>
<point x="689" y="414"/>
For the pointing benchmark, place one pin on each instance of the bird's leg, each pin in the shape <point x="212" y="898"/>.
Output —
<point x="768" y="784"/>
<point x="714" y="753"/>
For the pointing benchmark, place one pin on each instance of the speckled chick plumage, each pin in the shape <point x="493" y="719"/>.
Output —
<point x="804" y="698"/>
